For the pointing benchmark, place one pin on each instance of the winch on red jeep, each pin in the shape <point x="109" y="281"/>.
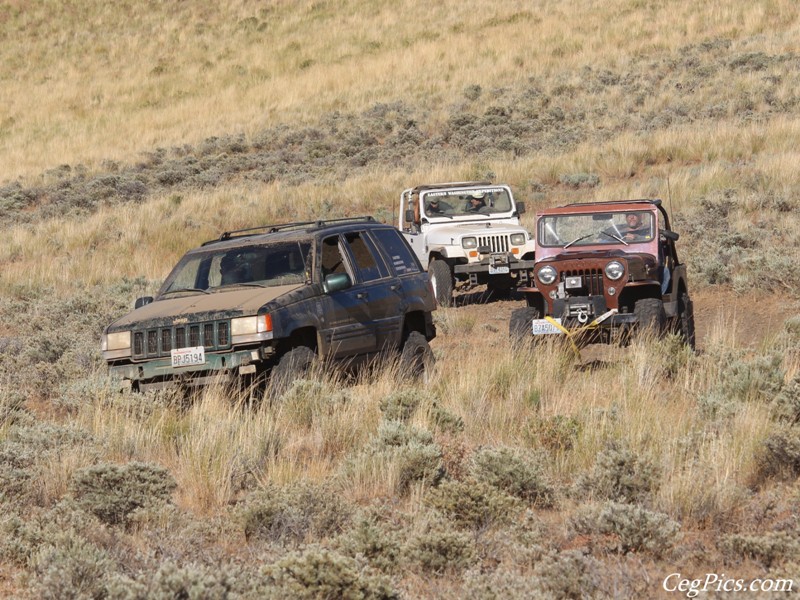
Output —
<point x="605" y="268"/>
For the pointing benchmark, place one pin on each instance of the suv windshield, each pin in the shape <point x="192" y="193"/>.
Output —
<point x="598" y="228"/>
<point x="267" y="265"/>
<point x="481" y="201"/>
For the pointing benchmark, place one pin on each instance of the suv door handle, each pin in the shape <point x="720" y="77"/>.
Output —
<point x="361" y="295"/>
<point x="394" y="287"/>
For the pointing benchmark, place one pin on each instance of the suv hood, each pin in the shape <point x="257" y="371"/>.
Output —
<point x="201" y="307"/>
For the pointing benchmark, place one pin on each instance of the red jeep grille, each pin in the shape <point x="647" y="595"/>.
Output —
<point x="592" y="279"/>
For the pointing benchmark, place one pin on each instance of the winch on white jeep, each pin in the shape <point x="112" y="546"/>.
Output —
<point x="467" y="234"/>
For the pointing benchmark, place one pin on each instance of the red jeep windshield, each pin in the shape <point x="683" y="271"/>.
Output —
<point x="635" y="227"/>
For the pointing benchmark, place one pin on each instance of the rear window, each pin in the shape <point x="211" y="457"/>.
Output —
<point x="397" y="251"/>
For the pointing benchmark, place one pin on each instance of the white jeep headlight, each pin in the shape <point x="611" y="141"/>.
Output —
<point x="469" y="242"/>
<point x="518" y="239"/>
<point x="547" y="274"/>
<point x="614" y="270"/>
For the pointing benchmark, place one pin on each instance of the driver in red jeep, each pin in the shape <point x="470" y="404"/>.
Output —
<point x="636" y="230"/>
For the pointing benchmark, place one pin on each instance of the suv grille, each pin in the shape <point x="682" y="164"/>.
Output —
<point x="498" y="243"/>
<point x="592" y="279"/>
<point x="158" y="342"/>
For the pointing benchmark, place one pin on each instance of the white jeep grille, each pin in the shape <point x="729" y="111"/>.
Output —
<point x="498" y="243"/>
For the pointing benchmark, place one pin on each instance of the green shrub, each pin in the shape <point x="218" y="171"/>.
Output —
<point x="445" y="421"/>
<point x="556" y="433"/>
<point x="579" y="180"/>
<point x="112" y="492"/>
<point x="568" y="574"/>
<point x="473" y="504"/>
<point x="786" y="405"/>
<point x="372" y="540"/>
<point x="438" y="549"/>
<point x="620" y="475"/>
<point x="418" y="458"/>
<point x="318" y="573"/>
<point x="632" y="528"/>
<point x="514" y="471"/>
<point x="772" y="548"/>
<point x="779" y="455"/>
<point x="400" y="405"/>
<point x="171" y="581"/>
<point x="68" y="566"/>
<point x="294" y="514"/>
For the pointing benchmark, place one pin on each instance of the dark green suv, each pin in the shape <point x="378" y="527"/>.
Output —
<point x="273" y="300"/>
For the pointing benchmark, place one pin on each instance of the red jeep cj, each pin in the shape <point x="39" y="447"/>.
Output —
<point x="605" y="268"/>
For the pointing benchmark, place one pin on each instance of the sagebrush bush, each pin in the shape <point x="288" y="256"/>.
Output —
<point x="770" y="549"/>
<point x="294" y="514"/>
<point x="436" y="548"/>
<point x="626" y="527"/>
<point x="445" y="421"/>
<point x="473" y="504"/>
<point x="320" y="573"/>
<point x="620" y="475"/>
<point x="786" y="404"/>
<point x="375" y="541"/>
<point x="68" y="566"/>
<point x="112" y="492"/>
<point x="171" y="580"/>
<point x="400" y="405"/>
<point x="568" y="574"/>
<point x="556" y="433"/>
<point x="514" y="471"/>
<point x="779" y="455"/>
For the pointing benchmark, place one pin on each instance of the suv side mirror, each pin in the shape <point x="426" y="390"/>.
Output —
<point x="520" y="208"/>
<point x="143" y="301"/>
<point x="336" y="282"/>
<point x="670" y="235"/>
<point x="409" y="214"/>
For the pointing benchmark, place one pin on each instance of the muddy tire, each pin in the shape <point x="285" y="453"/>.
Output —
<point x="686" y="320"/>
<point x="416" y="358"/>
<point x="519" y="327"/>
<point x="442" y="281"/>
<point x="295" y="364"/>
<point x="650" y="315"/>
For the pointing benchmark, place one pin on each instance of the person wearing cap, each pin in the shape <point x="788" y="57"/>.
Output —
<point x="476" y="202"/>
<point x="435" y="207"/>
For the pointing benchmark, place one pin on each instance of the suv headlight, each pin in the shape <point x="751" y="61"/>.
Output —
<point x="614" y="270"/>
<point x="469" y="242"/>
<point x="116" y="345"/>
<point x="547" y="274"/>
<point x="518" y="239"/>
<point x="251" y="329"/>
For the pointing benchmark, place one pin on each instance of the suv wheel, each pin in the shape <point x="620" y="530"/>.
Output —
<point x="686" y="311"/>
<point x="650" y="315"/>
<point x="416" y="358"/>
<point x="442" y="281"/>
<point x="519" y="327"/>
<point x="295" y="364"/>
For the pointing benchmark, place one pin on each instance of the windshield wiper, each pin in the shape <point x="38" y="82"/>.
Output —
<point x="578" y="239"/>
<point x="175" y="291"/>
<point x="611" y="235"/>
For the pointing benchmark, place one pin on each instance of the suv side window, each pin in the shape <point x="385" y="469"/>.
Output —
<point x="332" y="259"/>
<point x="402" y="259"/>
<point x="366" y="257"/>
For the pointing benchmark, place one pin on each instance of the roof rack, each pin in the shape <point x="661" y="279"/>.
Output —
<point x="454" y="184"/>
<point x="261" y="229"/>
<point x="656" y="201"/>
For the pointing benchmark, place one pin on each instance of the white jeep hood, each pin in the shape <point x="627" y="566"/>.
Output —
<point x="442" y="234"/>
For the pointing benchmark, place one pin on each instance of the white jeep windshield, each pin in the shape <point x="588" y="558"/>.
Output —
<point x="479" y="201"/>
<point x="618" y="228"/>
<point x="266" y="266"/>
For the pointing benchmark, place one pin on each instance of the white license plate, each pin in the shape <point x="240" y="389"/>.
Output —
<point x="498" y="270"/>
<point x="188" y="357"/>
<point x="545" y="327"/>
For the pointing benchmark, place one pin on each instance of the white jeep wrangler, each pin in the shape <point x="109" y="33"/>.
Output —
<point x="467" y="234"/>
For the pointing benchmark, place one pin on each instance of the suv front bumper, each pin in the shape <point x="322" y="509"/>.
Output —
<point x="160" y="373"/>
